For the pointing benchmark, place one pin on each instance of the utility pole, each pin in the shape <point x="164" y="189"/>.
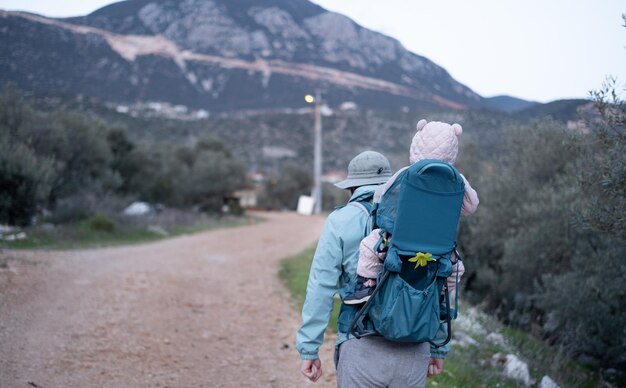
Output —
<point x="317" y="159"/>
<point x="316" y="192"/>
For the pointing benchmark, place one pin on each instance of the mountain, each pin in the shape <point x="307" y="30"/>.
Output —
<point x="509" y="104"/>
<point x="220" y="55"/>
<point x="559" y="110"/>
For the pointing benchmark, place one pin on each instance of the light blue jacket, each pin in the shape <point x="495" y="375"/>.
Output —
<point x="333" y="268"/>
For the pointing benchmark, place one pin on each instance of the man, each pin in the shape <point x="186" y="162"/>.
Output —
<point x="370" y="361"/>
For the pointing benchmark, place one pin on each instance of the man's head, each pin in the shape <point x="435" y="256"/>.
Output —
<point x="367" y="168"/>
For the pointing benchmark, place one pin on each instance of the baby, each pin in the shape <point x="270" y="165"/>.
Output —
<point x="434" y="140"/>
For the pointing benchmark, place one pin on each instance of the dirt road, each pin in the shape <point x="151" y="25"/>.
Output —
<point x="205" y="310"/>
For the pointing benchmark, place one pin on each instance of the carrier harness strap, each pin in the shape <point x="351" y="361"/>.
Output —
<point x="360" y="315"/>
<point x="455" y="311"/>
<point x="347" y="312"/>
<point x="448" y="320"/>
<point x="365" y="206"/>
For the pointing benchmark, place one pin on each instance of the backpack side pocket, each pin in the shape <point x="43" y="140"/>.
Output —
<point x="407" y="314"/>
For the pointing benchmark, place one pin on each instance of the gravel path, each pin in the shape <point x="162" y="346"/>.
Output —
<point x="205" y="310"/>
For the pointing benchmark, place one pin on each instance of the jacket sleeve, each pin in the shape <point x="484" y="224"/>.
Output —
<point x="470" y="199"/>
<point x="320" y="290"/>
<point x="442" y="351"/>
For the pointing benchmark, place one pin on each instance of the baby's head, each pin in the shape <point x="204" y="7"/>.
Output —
<point x="435" y="140"/>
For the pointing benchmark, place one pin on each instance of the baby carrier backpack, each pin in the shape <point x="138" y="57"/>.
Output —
<point x="418" y="216"/>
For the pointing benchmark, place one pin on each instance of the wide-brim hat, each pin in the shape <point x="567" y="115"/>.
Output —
<point x="367" y="168"/>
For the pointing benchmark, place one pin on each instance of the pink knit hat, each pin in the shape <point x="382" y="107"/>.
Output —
<point x="435" y="140"/>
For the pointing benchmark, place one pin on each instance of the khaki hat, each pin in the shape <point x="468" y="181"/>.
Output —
<point x="367" y="168"/>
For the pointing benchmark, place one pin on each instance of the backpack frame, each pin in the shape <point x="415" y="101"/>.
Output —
<point x="420" y="211"/>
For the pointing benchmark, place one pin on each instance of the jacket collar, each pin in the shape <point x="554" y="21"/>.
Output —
<point x="362" y="193"/>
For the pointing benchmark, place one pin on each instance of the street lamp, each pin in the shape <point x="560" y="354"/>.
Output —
<point x="316" y="193"/>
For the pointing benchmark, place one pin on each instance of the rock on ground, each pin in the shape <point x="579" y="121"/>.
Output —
<point x="547" y="382"/>
<point x="514" y="368"/>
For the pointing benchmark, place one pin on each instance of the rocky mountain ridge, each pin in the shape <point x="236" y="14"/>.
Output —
<point x="220" y="55"/>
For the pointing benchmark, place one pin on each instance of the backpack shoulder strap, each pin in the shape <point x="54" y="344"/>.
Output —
<point x="348" y="312"/>
<point x="366" y="207"/>
<point x="363" y="205"/>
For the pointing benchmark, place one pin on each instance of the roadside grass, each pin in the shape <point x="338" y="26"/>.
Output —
<point x="294" y="272"/>
<point x="89" y="234"/>
<point x="470" y="364"/>
<point x="546" y="359"/>
<point x="463" y="369"/>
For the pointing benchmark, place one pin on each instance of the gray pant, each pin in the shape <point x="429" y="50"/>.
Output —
<point x="376" y="362"/>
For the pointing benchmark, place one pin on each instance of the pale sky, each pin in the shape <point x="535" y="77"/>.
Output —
<point x="533" y="49"/>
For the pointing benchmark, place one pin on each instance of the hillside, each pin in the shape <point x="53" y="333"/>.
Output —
<point x="560" y="110"/>
<point x="509" y="104"/>
<point x="266" y="141"/>
<point x="221" y="55"/>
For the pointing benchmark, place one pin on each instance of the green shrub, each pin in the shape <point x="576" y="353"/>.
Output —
<point x="24" y="182"/>
<point x="213" y="176"/>
<point x="101" y="222"/>
<point x="546" y="244"/>
<point x="282" y="189"/>
<point x="72" y="209"/>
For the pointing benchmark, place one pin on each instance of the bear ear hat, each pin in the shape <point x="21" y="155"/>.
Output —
<point x="422" y="123"/>
<point x="458" y="130"/>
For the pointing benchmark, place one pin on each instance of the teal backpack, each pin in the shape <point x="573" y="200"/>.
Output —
<point x="418" y="216"/>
